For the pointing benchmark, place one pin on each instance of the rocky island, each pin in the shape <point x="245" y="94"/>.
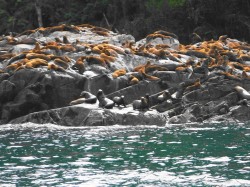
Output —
<point x="44" y="72"/>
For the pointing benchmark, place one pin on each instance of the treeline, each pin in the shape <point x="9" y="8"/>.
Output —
<point x="208" y="18"/>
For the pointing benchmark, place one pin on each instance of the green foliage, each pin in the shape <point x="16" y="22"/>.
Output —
<point x="159" y="3"/>
<point x="104" y="2"/>
<point x="137" y="17"/>
<point x="155" y="3"/>
<point x="176" y="3"/>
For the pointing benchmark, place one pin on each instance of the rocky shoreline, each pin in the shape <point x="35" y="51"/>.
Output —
<point x="43" y="70"/>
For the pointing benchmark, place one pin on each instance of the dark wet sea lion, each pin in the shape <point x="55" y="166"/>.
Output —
<point x="104" y="102"/>
<point x="141" y="104"/>
<point x="119" y="101"/>
<point x="242" y="92"/>
<point x="89" y="97"/>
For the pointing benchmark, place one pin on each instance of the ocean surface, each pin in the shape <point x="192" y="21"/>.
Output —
<point x="177" y="155"/>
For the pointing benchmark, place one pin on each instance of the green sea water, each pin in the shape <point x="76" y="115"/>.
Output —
<point x="184" y="155"/>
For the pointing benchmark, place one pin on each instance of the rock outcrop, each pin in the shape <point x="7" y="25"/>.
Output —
<point x="92" y="115"/>
<point x="43" y="70"/>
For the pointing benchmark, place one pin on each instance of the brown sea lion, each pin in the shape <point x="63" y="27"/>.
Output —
<point x="55" y="67"/>
<point x="61" y="63"/>
<point x="107" y="58"/>
<point x="67" y="48"/>
<point x="133" y="80"/>
<point x="36" y="55"/>
<point x="195" y="86"/>
<point x="13" y="67"/>
<point x="17" y="57"/>
<point x="166" y="33"/>
<point x="36" y="62"/>
<point x="119" y="72"/>
<point x="101" y="33"/>
<point x="79" y="65"/>
<point x="95" y="60"/>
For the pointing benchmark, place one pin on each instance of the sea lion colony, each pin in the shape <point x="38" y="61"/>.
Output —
<point x="226" y="57"/>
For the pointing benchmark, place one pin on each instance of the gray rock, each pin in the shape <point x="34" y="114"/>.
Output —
<point x="7" y="90"/>
<point x="91" y="115"/>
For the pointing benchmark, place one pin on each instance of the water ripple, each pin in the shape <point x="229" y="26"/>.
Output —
<point x="190" y="155"/>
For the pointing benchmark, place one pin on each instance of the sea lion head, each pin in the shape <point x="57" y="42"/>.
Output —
<point x="99" y="93"/>
<point x="83" y="94"/>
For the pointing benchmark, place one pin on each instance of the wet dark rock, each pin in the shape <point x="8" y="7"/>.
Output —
<point x="7" y="91"/>
<point x="4" y="76"/>
<point x="89" y="115"/>
<point x="136" y="91"/>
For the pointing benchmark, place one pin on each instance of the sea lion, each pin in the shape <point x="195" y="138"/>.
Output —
<point x="63" y="27"/>
<point x="148" y="99"/>
<point x="230" y="76"/>
<point x="77" y="101"/>
<point x="79" y="65"/>
<point x="86" y="25"/>
<point x="89" y="97"/>
<point x="61" y="63"/>
<point x="6" y="56"/>
<point x="158" y="52"/>
<point x="141" y="104"/>
<point x="223" y="38"/>
<point x="107" y="58"/>
<point x="195" y="38"/>
<point x="155" y="35"/>
<point x="117" y="49"/>
<point x="243" y="102"/>
<point x="95" y="28"/>
<point x="55" y="67"/>
<point x="179" y="93"/>
<point x="58" y="40"/>
<point x="245" y="76"/>
<point x="196" y="85"/>
<point x="141" y="69"/>
<point x="119" y="101"/>
<point x="52" y="47"/>
<point x="101" y="33"/>
<point x="118" y="73"/>
<point x="244" y="94"/>
<point x="97" y="49"/>
<point x="164" y="96"/>
<point x="95" y="60"/>
<point x="37" y="48"/>
<point x="17" y="57"/>
<point x="133" y="80"/>
<point x="110" y="52"/>
<point x="13" y="67"/>
<point x="67" y="48"/>
<point x="198" y="54"/>
<point x="104" y="102"/>
<point x="154" y="67"/>
<point x="36" y="62"/>
<point x="166" y="33"/>
<point x="36" y="55"/>
<point x="65" y="40"/>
